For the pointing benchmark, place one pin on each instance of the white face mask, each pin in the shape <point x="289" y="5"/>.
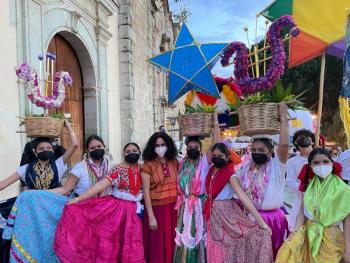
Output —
<point x="323" y="170"/>
<point x="161" y="151"/>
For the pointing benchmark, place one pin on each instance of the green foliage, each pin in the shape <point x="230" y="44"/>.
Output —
<point x="204" y="108"/>
<point x="276" y="95"/>
<point x="55" y="114"/>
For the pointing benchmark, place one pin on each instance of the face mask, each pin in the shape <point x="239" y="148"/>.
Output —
<point x="161" y="151"/>
<point x="304" y="142"/>
<point x="97" y="154"/>
<point x="46" y="155"/>
<point x="193" y="154"/>
<point x="218" y="162"/>
<point x="259" y="158"/>
<point x="132" y="158"/>
<point x="323" y="170"/>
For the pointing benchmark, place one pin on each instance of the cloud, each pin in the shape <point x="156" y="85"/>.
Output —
<point x="223" y="21"/>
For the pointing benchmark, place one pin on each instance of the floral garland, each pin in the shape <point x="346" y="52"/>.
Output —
<point x="276" y="67"/>
<point x="30" y="76"/>
<point x="186" y="237"/>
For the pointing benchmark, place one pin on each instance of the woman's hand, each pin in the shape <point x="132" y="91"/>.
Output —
<point x="73" y="201"/>
<point x="153" y="224"/>
<point x="266" y="228"/>
<point x="346" y="256"/>
<point x="290" y="236"/>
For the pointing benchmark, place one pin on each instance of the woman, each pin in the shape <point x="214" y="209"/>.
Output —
<point x="47" y="207"/>
<point x="107" y="228"/>
<point x="190" y="229"/>
<point x="159" y="176"/>
<point x="43" y="173"/>
<point x="325" y="205"/>
<point x="89" y="171"/>
<point x="263" y="179"/>
<point x="232" y="236"/>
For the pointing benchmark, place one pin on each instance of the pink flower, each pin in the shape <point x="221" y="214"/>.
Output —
<point x="24" y="72"/>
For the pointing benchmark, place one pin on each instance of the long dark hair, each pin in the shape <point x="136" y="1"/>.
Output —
<point x="91" y="138"/>
<point x="149" y="153"/>
<point x="314" y="152"/>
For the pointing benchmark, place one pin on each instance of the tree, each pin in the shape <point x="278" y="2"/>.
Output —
<point x="183" y="13"/>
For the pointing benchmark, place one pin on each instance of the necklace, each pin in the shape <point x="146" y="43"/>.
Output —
<point x="134" y="180"/>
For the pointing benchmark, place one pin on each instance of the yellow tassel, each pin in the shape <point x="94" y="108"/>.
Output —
<point x="345" y="116"/>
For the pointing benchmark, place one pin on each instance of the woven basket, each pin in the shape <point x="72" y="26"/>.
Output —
<point x="43" y="127"/>
<point x="261" y="118"/>
<point x="196" y="124"/>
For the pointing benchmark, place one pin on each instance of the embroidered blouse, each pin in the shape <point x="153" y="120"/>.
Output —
<point x="122" y="188"/>
<point x="163" y="187"/>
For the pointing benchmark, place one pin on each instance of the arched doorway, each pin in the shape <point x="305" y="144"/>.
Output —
<point x="67" y="60"/>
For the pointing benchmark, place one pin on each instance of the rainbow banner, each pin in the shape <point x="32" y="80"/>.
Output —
<point x="322" y="24"/>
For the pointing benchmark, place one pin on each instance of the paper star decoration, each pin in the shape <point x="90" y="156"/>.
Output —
<point x="189" y="65"/>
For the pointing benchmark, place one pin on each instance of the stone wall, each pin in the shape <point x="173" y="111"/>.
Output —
<point x="91" y="28"/>
<point x="145" y="30"/>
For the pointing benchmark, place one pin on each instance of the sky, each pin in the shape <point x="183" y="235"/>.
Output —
<point x="223" y="21"/>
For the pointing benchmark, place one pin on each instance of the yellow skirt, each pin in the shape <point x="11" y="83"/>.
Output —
<point x="297" y="249"/>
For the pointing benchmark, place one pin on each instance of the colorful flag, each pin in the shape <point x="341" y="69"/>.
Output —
<point x="322" y="24"/>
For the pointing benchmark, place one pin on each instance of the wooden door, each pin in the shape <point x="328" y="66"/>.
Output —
<point x="67" y="60"/>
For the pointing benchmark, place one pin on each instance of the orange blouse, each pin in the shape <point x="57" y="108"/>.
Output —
<point x="163" y="188"/>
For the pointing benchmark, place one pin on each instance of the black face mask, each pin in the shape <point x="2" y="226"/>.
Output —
<point x="132" y="158"/>
<point x="259" y="158"/>
<point x="193" y="154"/>
<point x="97" y="154"/>
<point x="218" y="162"/>
<point x="304" y="142"/>
<point x="46" y="155"/>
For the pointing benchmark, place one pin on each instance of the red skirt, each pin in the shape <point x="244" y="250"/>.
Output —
<point x="160" y="244"/>
<point x="101" y="229"/>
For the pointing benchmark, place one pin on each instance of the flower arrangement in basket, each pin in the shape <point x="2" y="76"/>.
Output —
<point x="37" y="93"/>
<point x="198" y="102"/>
<point x="259" y="112"/>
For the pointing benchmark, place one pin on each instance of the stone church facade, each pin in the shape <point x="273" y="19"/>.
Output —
<point x="122" y="97"/>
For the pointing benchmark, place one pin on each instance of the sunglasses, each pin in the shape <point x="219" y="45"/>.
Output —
<point x="160" y="145"/>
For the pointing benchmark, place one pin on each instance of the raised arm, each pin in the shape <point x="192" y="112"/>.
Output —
<point x="67" y="187"/>
<point x="9" y="180"/>
<point x="248" y="203"/>
<point x="73" y="143"/>
<point x="146" y="185"/>
<point x="93" y="191"/>
<point x="282" y="150"/>
<point x="216" y="136"/>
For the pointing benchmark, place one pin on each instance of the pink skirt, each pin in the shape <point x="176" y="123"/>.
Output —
<point x="233" y="237"/>
<point x="101" y="229"/>
<point x="278" y="223"/>
<point x="160" y="244"/>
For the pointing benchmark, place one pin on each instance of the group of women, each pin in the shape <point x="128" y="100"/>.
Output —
<point x="198" y="209"/>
